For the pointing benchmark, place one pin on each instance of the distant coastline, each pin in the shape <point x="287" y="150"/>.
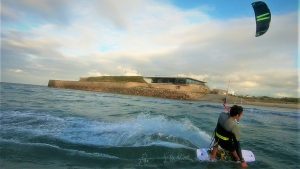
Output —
<point x="138" y="85"/>
<point x="218" y="98"/>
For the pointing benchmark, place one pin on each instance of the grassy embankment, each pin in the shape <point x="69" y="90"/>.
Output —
<point x="124" y="79"/>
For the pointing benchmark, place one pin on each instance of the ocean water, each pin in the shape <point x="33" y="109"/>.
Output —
<point x="43" y="127"/>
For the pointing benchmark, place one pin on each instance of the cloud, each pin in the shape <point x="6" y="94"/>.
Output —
<point x="16" y="70"/>
<point x="35" y="10"/>
<point x="194" y="76"/>
<point x="139" y="37"/>
<point x="96" y="73"/>
<point x="127" y="71"/>
<point x="8" y="14"/>
<point x="248" y="84"/>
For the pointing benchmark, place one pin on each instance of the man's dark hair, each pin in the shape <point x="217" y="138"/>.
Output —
<point x="236" y="110"/>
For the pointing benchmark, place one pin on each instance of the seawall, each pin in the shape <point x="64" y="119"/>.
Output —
<point x="170" y="91"/>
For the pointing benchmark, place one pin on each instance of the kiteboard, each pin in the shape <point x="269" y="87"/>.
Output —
<point x="203" y="154"/>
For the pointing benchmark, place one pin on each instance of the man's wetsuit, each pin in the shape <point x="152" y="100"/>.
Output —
<point x="227" y="134"/>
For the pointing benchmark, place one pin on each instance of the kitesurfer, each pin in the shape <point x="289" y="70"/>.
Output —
<point x="227" y="134"/>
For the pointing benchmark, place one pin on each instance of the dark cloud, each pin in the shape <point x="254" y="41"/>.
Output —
<point x="43" y="11"/>
<point x="36" y="59"/>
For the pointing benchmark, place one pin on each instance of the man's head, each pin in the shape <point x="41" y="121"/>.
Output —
<point x="236" y="111"/>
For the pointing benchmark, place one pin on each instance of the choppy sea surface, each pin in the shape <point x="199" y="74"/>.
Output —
<point x="43" y="127"/>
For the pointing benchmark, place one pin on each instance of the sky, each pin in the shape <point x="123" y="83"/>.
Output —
<point x="209" y="40"/>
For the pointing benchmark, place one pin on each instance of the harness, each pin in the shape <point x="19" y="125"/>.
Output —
<point x="223" y="134"/>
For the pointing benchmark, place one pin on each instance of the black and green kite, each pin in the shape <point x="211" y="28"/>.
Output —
<point x="262" y="17"/>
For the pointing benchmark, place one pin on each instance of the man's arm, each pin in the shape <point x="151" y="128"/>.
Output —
<point x="239" y="153"/>
<point x="239" y="150"/>
<point x="236" y="132"/>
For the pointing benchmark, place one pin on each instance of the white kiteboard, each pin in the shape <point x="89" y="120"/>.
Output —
<point x="203" y="154"/>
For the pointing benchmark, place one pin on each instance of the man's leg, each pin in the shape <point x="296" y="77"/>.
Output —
<point x="214" y="151"/>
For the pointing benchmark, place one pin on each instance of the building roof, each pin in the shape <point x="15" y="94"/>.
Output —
<point x="166" y="77"/>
